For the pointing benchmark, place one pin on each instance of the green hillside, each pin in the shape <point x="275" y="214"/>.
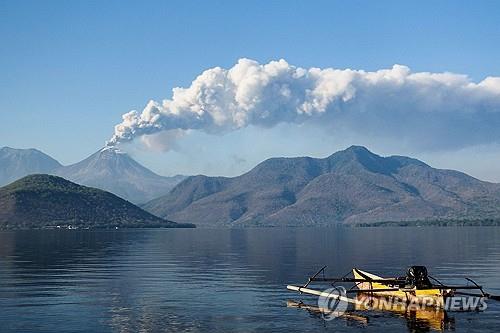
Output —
<point x="43" y="201"/>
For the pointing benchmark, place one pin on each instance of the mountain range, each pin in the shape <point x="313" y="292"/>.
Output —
<point x="109" y="169"/>
<point x="352" y="186"/>
<point x="44" y="201"/>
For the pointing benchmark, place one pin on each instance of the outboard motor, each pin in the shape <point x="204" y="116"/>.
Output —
<point x="417" y="277"/>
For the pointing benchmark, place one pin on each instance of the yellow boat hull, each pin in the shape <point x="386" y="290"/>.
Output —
<point x="426" y="297"/>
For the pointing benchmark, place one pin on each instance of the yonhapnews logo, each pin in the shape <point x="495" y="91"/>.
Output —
<point x="333" y="302"/>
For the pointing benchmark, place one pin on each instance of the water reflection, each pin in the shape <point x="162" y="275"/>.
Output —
<point x="222" y="280"/>
<point x="422" y="320"/>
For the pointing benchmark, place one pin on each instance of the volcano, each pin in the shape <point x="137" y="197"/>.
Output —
<point x="113" y="170"/>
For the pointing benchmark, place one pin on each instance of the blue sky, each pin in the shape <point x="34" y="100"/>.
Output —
<point x="70" y="69"/>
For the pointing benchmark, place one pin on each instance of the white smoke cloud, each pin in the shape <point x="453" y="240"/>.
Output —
<point x="424" y="107"/>
<point x="162" y="141"/>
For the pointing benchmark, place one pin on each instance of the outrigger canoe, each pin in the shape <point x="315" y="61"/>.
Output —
<point x="414" y="288"/>
<point x="417" y="289"/>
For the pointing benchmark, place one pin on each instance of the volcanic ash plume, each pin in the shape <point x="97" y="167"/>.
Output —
<point x="249" y="93"/>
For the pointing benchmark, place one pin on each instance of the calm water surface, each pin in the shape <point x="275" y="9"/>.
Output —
<point x="226" y="280"/>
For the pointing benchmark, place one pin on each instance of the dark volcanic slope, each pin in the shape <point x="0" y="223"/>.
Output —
<point x="115" y="171"/>
<point x="350" y="186"/>
<point x="17" y="163"/>
<point x="40" y="201"/>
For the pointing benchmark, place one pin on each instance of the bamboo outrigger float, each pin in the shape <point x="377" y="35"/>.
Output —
<point x="415" y="288"/>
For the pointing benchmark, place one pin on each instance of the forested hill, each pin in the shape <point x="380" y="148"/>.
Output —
<point x="44" y="201"/>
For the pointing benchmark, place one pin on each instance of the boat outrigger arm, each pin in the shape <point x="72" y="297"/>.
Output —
<point x="414" y="285"/>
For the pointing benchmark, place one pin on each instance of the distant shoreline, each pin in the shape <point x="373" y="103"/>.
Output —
<point x="180" y="226"/>
<point x="433" y="223"/>
<point x="403" y="224"/>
